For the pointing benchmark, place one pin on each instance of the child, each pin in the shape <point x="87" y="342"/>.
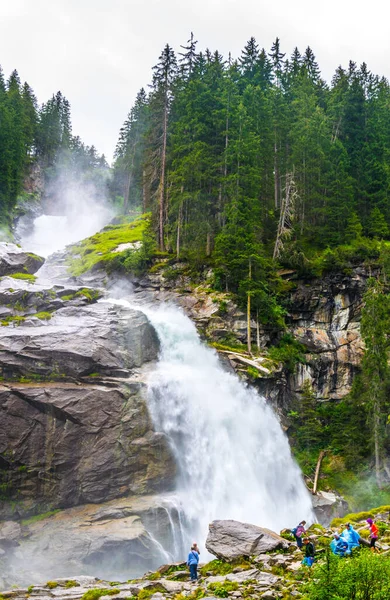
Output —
<point x="309" y="552"/>
<point x="192" y="562"/>
<point x="373" y="535"/>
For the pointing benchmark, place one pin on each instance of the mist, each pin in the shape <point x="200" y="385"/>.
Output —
<point x="73" y="208"/>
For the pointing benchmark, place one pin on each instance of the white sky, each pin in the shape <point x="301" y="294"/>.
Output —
<point x="100" y="53"/>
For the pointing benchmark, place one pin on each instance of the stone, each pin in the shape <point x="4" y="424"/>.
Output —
<point x="10" y="534"/>
<point x="73" y="541"/>
<point x="231" y="539"/>
<point x="15" y="260"/>
<point x="328" y="506"/>
<point x="77" y="418"/>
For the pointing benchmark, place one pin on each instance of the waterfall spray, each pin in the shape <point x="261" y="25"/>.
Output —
<point x="234" y="461"/>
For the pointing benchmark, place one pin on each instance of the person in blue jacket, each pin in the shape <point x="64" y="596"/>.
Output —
<point x="351" y="537"/>
<point x="338" y="545"/>
<point x="192" y="562"/>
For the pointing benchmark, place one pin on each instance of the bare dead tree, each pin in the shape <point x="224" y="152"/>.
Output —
<point x="287" y="213"/>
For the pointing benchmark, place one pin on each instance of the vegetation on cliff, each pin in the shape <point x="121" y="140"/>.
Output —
<point x="39" y="137"/>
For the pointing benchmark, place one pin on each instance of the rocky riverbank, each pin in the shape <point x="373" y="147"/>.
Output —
<point x="251" y="562"/>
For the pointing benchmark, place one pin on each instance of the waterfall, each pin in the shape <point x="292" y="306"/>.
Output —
<point x="234" y="461"/>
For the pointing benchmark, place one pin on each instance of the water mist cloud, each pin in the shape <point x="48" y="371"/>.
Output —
<point x="73" y="209"/>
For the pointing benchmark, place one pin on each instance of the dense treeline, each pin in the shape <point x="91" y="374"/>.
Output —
<point x="245" y="159"/>
<point x="31" y="134"/>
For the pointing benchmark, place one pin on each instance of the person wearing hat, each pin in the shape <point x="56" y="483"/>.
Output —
<point x="338" y="545"/>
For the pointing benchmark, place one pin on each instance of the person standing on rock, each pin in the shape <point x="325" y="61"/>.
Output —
<point x="298" y="532"/>
<point x="192" y="562"/>
<point x="309" y="552"/>
<point x="373" y="535"/>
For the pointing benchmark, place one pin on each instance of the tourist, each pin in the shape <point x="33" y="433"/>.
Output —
<point x="309" y="552"/>
<point x="373" y="535"/>
<point x="298" y="532"/>
<point x="339" y="545"/>
<point x="192" y="562"/>
<point x="351" y="537"/>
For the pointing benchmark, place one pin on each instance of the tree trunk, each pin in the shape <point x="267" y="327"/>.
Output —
<point x="178" y="232"/>
<point x="162" y="178"/>
<point x="318" y="467"/>
<point x="145" y="192"/>
<point x="249" y="341"/>
<point x="276" y="174"/>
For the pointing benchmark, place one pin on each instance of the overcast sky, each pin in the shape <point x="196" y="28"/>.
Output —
<point x="100" y="53"/>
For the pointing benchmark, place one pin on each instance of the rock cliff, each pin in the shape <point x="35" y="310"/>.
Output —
<point x="323" y="314"/>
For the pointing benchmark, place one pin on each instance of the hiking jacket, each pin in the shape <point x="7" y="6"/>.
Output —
<point x="193" y="558"/>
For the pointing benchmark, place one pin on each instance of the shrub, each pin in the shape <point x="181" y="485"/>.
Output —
<point x="365" y="576"/>
<point x="221" y="590"/>
<point x="288" y="351"/>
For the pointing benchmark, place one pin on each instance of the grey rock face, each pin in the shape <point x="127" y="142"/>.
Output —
<point x="74" y="422"/>
<point x="231" y="539"/>
<point x="15" y="260"/>
<point x="328" y="506"/>
<point x="79" y="541"/>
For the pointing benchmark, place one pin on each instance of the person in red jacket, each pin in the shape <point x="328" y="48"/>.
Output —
<point x="373" y="535"/>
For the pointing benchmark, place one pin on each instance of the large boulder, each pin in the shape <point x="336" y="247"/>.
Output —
<point x="15" y="260"/>
<point x="230" y="539"/>
<point x="328" y="506"/>
<point x="75" y="423"/>
<point x="82" y="541"/>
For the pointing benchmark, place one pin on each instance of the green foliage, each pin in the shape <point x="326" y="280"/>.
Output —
<point x="222" y="590"/>
<point x="70" y="583"/>
<point x="95" y="594"/>
<point x="365" y="576"/>
<point x="24" y="276"/>
<point x="52" y="584"/>
<point x="145" y="594"/>
<point x="288" y="351"/>
<point x="41" y="517"/>
<point x="100" y="249"/>
<point x="216" y="567"/>
<point x="12" y="319"/>
<point x="43" y="316"/>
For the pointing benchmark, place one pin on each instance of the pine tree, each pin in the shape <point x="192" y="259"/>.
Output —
<point x="164" y="73"/>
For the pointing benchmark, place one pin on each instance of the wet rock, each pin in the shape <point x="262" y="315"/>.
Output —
<point x="73" y="541"/>
<point x="15" y="260"/>
<point x="75" y="425"/>
<point x="231" y="539"/>
<point x="10" y="534"/>
<point x="328" y="506"/>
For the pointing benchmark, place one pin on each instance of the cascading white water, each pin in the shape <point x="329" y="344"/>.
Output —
<point x="234" y="461"/>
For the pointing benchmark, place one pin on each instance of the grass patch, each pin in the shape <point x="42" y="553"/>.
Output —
<point x="221" y="567"/>
<point x="100" y="247"/>
<point x="52" y="584"/>
<point x="222" y="590"/>
<point x="360" y="516"/>
<point x="43" y="316"/>
<point x="40" y="517"/>
<point x="98" y="592"/>
<point x="71" y="583"/>
<point x="15" y="319"/>
<point x="24" y="276"/>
